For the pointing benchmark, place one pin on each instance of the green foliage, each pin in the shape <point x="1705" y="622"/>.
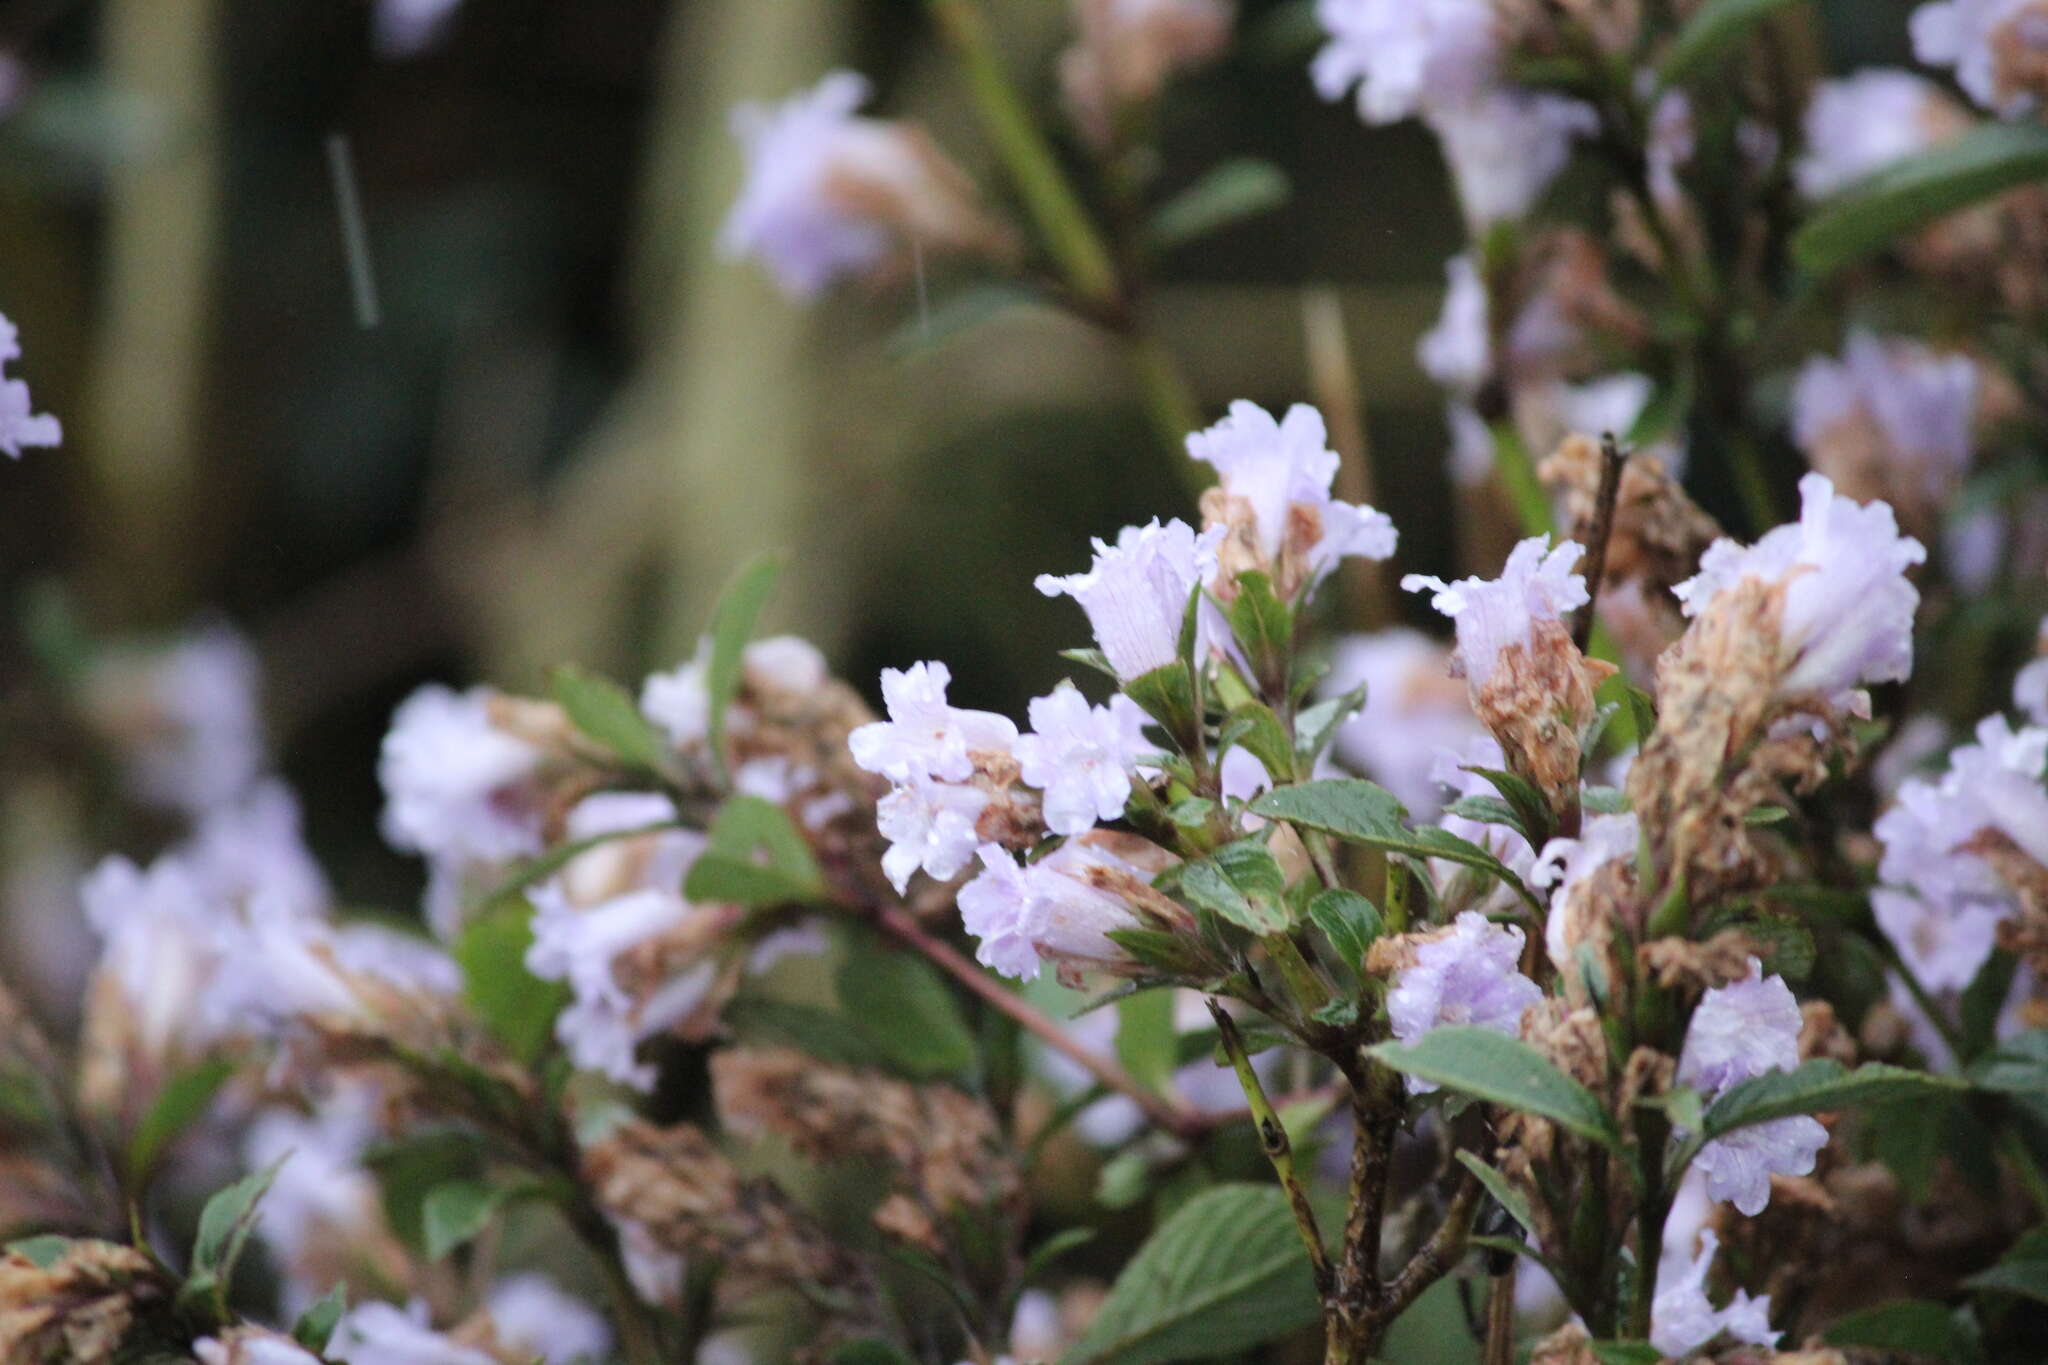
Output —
<point x="518" y="1007"/>
<point x="455" y="1213"/>
<point x="755" y="856"/>
<point x="903" y="1009"/>
<point x="1349" y="921"/>
<point x="1363" y="813"/>
<point x="183" y="1099"/>
<point x="1224" y="1273"/>
<point x="1316" y="727"/>
<point x="2028" y="1279"/>
<point x="1819" y="1086"/>
<point x="732" y="626"/>
<point x="1504" y="1194"/>
<point x="1145" y="1039"/>
<point x="1501" y="1070"/>
<point x="869" y="1351"/>
<point x="41" y="1252"/>
<point x="1911" y="1327"/>
<point x="1264" y="628"/>
<point x="1231" y="192"/>
<point x="1242" y="883"/>
<point x="1989" y="159"/>
<point x="824" y="1034"/>
<point x="224" y="1227"/>
<point x="410" y="1170"/>
<point x="316" y="1325"/>
<point x="1711" y="34"/>
<point x="1254" y="727"/>
<point x="606" y="714"/>
<point x="1626" y="1353"/>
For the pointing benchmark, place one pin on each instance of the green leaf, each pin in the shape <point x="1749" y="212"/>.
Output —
<point x="1487" y="810"/>
<point x="1242" y="883"/>
<point x="1504" y="1194"/>
<point x="1227" y="193"/>
<point x="1349" y="921"/>
<point x="1145" y="1041"/>
<point x="1531" y="809"/>
<point x="1264" y="628"/>
<point x="1642" y="709"/>
<point x="409" y="1170"/>
<point x="182" y="1100"/>
<point x="1317" y="726"/>
<point x="1818" y="1087"/>
<point x="606" y="714"/>
<point x="1714" y="29"/>
<point x="41" y="1252"/>
<point x="1169" y="954"/>
<point x="1167" y="694"/>
<point x="1913" y="1327"/>
<point x="732" y="626"/>
<point x="454" y="1213"/>
<point x="1051" y="1249"/>
<point x="316" y="1325"/>
<point x="518" y="1007"/>
<point x="2027" y="1279"/>
<point x="903" y="1009"/>
<point x="225" y="1222"/>
<point x="870" y="1351"/>
<point x="755" y="856"/>
<point x="1223" y="1274"/>
<point x="1501" y="1070"/>
<point x="824" y="1034"/>
<point x="1364" y="813"/>
<point x="958" y="314"/>
<point x="1984" y="1000"/>
<point x="1091" y="658"/>
<point x="1254" y="727"/>
<point x="1989" y="159"/>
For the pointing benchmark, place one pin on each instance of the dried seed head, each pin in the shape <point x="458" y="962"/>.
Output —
<point x="80" y="1308"/>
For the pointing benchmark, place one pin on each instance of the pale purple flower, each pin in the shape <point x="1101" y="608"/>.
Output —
<point x="456" y="786"/>
<point x="1458" y="352"/>
<point x="1280" y="467"/>
<point x="1537" y="584"/>
<point x="532" y="1316"/>
<point x="1863" y="122"/>
<point x="20" y="425"/>
<point x="1968" y="34"/>
<point x="1739" y="1166"/>
<point x="1471" y="456"/>
<point x="1922" y="403"/>
<point x="1136" y="592"/>
<point x="1848" y="617"/>
<point x="1673" y="141"/>
<point x="163" y="943"/>
<point x="276" y="970"/>
<point x="1504" y="146"/>
<point x="931" y="825"/>
<point x="1403" y="56"/>
<point x="408" y="28"/>
<point x="251" y="1346"/>
<point x="924" y="736"/>
<point x="1470" y="976"/>
<point x="2030" y="691"/>
<point x="1241" y="776"/>
<point x="1944" y="944"/>
<point x="1453" y="773"/>
<point x="1740" y="1031"/>
<point x="1566" y="864"/>
<point x="677" y="701"/>
<point x="604" y="1024"/>
<point x="1413" y="710"/>
<point x="251" y="852"/>
<point x="322" y="1193"/>
<point x="1048" y="911"/>
<point x="185" y="717"/>
<point x="785" y="215"/>
<point x="384" y="1334"/>
<point x="1683" y="1319"/>
<point x="1081" y="757"/>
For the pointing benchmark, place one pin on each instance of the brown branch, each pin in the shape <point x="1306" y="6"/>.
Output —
<point x="1439" y="1255"/>
<point x="1174" y="1118"/>
<point x="1612" y="460"/>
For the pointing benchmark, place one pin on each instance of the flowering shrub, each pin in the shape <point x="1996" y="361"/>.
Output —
<point x="1634" y="968"/>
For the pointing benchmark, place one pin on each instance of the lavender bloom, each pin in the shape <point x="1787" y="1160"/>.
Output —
<point x="1458" y="352"/>
<point x="384" y="1334"/>
<point x="924" y="736"/>
<point x="455" y="786"/>
<point x="1683" y="1319"/>
<point x="322" y="1193"/>
<point x="1919" y="405"/>
<point x="1848" y="605"/>
<point x="1504" y="146"/>
<point x="1413" y="711"/>
<point x="679" y="703"/>
<point x="251" y="1346"/>
<point x="931" y="825"/>
<point x="2030" y="684"/>
<point x="407" y="28"/>
<point x="1468" y="976"/>
<point x="1739" y="1032"/>
<point x="20" y="425"/>
<point x="1536" y="584"/>
<point x="996" y="908"/>
<point x="533" y="1318"/>
<point x="184" y="717"/>
<point x="1566" y="864"/>
<point x="1081" y="757"/>
<point x="1053" y="910"/>
<point x="163" y="942"/>
<point x="1987" y="42"/>
<point x="252" y="851"/>
<point x="1403" y="57"/>
<point x="1136" y="592"/>
<point x="1864" y="122"/>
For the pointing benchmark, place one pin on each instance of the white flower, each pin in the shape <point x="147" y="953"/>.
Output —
<point x="385" y="1334"/>
<point x="251" y="1346"/>
<point x="1136" y="592"/>
<point x="930" y="825"/>
<point x="1921" y="404"/>
<point x="1458" y="352"/>
<point x="2030" y="684"/>
<point x="322" y="1194"/>
<point x="604" y="1024"/>
<point x="533" y="1317"/>
<point x="163" y="942"/>
<point x="925" y="737"/>
<point x="1504" y="146"/>
<point x="185" y="718"/>
<point x="1471" y="456"/>
<point x="456" y="786"/>
<point x="1848" y="614"/>
<point x="1944" y="945"/>
<point x="1469" y="976"/>
<point x="1864" y="122"/>
<point x="679" y="704"/>
<point x="1568" y="863"/>
<point x="830" y="194"/>
<point x="1049" y="910"/>
<point x="1282" y="472"/>
<point x="1536" y="584"/>
<point x="1683" y="1319"/>
<point x="407" y="28"/>
<point x="251" y="852"/>
<point x="20" y="424"/>
<point x="1413" y="710"/>
<point x="1982" y="39"/>
<point x="1082" y="757"/>
<point x="1405" y="56"/>
<point x="277" y="970"/>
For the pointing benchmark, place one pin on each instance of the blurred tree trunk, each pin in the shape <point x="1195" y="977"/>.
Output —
<point x="142" y="436"/>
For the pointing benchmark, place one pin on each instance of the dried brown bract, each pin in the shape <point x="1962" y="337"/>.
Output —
<point x="81" y="1308"/>
<point x="1693" y="968"/>
<point x="1123" y="54"/>
<point x="1659" y="532"/>
<point x="1537" y="703"/>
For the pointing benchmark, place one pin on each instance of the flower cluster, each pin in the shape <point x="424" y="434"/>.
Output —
<point x="20" y="425"/>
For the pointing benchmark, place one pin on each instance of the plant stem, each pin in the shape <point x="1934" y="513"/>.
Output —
<point x="1518" y="473"/>
<point x="1174" y="1118"/>
<point x="1439" y="1255"/>
<point x="1169" y="402"/>
<point x="1612" y="460"/>
<point x="1279" y="1151"/>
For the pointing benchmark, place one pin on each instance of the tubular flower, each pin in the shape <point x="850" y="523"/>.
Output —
<point x="1739" y="1032"/>
<point x="1683" y="1319"/>
<point x="1062" y="908"/>
<point x="1081" y="757"/>
<point x="1274" y="500"/>
<point x="1136" y="592"/>
<point x="1891" y="419"/>
<point x="533" y="1317"/>
<point x="830" y="194"/>
<point x="1866" y="121"/>
<point x="1504" y="146"/>
<point x="383" y="1333"/>
<point x="1413" y="711"/>
<point x="1999" y="49"/>
<point x="1566" y="866"/>
<point x="924" y="736"/>
<point x="1465" y="975"/>
<point x="1404" y="57"/>
<point x="20" y="425"/>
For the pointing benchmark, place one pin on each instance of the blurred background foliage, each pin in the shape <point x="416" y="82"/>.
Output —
<point x="571" y="418"/>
